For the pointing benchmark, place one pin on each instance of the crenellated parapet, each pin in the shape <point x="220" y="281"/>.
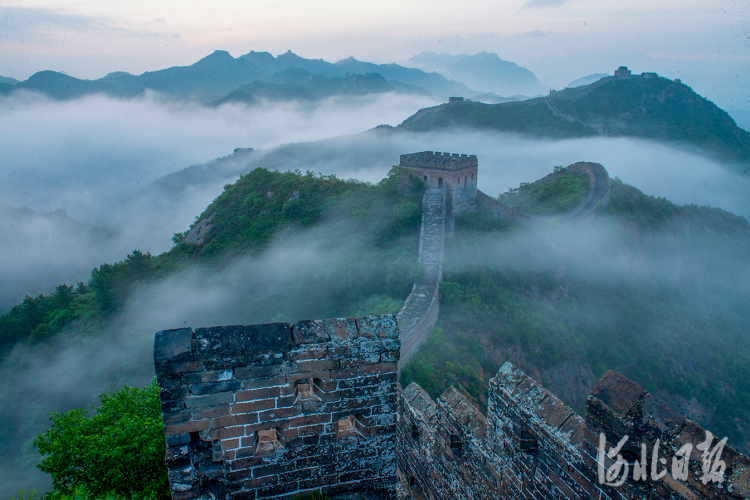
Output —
<point x="274" y="410"/>
<point x="531" y="446"/>
<point x="438" y="160"/>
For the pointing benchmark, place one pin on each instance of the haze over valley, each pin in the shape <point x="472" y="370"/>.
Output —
<point x="125" y="130"/>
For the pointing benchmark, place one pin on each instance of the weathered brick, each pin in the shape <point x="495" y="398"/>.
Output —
<point x="316" y="365"/>
<point x="279" y="413"/>
<point x="172" y="344"/>
<point x="211" y="411"/>
<point x="269" y="337"/>
<point x="253" y="406"/>
<point x="209" y="400"/>
<point x="244" y="372"/>
<point x="186" y="427"/>
<point x="309" y="331"/>
<point x="207" y="376"/>
<point x="256" y="394"/>
<point x="378" y="326"/>
<point x="181" y="367"/>
<point x="221" y="340"/>
<point x="341" y="329"/>
<point x="261" y="382"/>
<point x="202" y="389"/>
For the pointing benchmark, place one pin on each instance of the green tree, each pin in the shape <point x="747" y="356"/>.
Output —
<point x="119" y="449"/>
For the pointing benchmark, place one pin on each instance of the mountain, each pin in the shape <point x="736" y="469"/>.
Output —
<point x="60" y="86"/>
<point x="435" y="83"/>
<point x="483" y="70"/>
<point x="218" y="75"/>
<point x="646" y="106"/>
<point x="299" y="84"/>
<point x="586" y="80"/>
<point x="8" y="80"/>
<point x="211" y="77"/>
<point x="268" y="64"/>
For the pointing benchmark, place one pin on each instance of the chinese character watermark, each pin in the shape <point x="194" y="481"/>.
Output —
<point x="712" y="467"/>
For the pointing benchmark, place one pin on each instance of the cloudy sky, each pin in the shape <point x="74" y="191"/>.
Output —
<point x="88" y="38"/>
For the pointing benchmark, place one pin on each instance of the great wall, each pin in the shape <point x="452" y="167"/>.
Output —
<point x="278" y="410"/>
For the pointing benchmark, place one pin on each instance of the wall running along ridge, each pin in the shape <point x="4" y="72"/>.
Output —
<point x="420" y="310"/>
<point x="600" y="189"/>
<point x="273" y="410"/>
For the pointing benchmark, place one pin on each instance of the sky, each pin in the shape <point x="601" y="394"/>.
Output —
<point x="88" y="39"/>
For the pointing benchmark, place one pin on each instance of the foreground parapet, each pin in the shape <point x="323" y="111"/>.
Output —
<point x="531" y="446"/>
<point x="273" y="410"/>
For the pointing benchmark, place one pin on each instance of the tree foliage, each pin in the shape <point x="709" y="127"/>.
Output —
<point x="119" y="448"/>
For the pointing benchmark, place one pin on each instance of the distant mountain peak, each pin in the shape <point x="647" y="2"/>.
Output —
<point x="217" y="55"/>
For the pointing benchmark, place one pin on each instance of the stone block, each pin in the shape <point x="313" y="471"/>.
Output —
<point x="268" y="337"/>
<point x="201" y="389"/>
<point x="221" y="341"/>
<point x="170" y="345"/>
<point x="383" y="326"/>
<point x="617" y="392"/>
<point x="341" y="329"/>
<point x="309" y="331"/>
<point x="245" y="372"/>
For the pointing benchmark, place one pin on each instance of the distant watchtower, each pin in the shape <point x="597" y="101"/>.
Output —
<point x="623" y="72"/>
<point x="457" y="173"/>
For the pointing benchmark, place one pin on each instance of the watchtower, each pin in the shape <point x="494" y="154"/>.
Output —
<point x="456" y="172"/>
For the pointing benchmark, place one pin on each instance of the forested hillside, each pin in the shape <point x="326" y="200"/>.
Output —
<point x="281" y="247"/>
<point x="653" y="290"/>
<point x="654" y="108"/>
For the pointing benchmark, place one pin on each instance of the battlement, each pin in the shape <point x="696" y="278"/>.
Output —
<point x="273" y="410"/>
<point x="438" y="160"/>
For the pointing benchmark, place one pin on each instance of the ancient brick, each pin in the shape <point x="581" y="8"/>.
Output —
<point x="378" y="368"/>
<point x="202" y="389"/>
<point x="269" y="337"/>
<point x="278" y="413"/>
<point x="256" y="394"/>
<point x="309" y="331"/>
<point x="186" y="427"/>
<point x="222" y="340"/>
<point x="172" y="344"/>
<point x="210" y="412"/>
<point x="209" y="400"/>
<point x="317" y="365"/>
<point x="244" y="372"/>
<point x="257" y="383"/>
<point x="378" y="326"/>
<point x="253" y="406"/>
<point x="179" y="367"/>
<point x="207" y="376"/>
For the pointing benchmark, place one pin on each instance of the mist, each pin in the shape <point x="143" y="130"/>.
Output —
<point x="100" y="177"/>
<point x="115" y="172"/>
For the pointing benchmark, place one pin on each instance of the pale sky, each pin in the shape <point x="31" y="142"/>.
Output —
<point x="88" y="39"/>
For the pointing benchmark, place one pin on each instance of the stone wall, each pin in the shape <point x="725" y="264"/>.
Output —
<point x="600" y="189"/>
<point x="437" y="170"/>
<point x="531" y="446"/>
<point x="420" y="310"/>
<point x="269" y="411"/>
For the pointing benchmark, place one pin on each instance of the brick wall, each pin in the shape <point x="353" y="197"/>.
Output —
<point x="269" y="411"/>
<point x="531" y="446"/>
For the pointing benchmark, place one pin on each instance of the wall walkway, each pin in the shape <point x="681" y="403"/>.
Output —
<point x="600" y="188"/>
<point x="420" y="310"/>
